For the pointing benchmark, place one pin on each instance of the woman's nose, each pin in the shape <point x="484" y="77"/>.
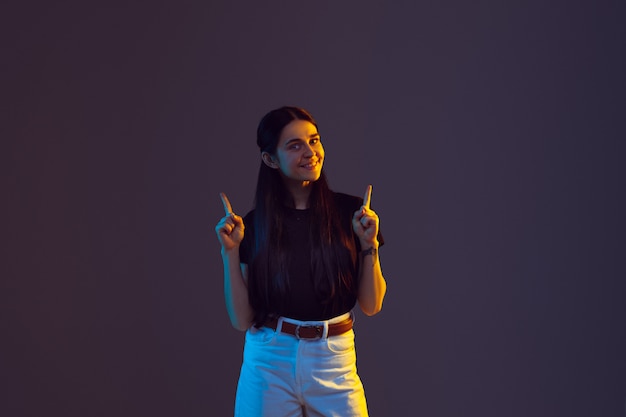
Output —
<point x="308" y="151"/>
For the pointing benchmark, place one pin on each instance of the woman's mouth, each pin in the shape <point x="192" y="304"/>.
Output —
<point x="310" y="165"/>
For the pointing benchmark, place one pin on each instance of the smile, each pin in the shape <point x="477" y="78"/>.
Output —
<point x="311" y="165"/>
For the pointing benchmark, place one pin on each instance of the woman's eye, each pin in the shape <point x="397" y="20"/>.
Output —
<point x="313" y="141"/>
<point x="295" y="146"/>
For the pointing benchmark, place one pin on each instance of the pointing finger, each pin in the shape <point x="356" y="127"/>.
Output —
<point x="227" y="207"/>
<point x="368" y="197"/>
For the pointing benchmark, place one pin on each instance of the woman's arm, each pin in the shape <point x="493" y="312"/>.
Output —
<point x="236" y="290"/>
<point x="230" y="231"/>
<point x="372" y="284"/>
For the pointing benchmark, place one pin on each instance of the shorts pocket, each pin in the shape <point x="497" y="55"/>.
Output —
<point x="342" y="343"/>
<point x="260" y="336"/>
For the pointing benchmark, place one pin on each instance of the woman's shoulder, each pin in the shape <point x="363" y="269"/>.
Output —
<point x="347" y="201"/>
<point x="248" y="218"/>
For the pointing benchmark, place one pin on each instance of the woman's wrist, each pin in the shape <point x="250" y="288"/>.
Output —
<point x="230" y="251"/>
<point x="369" y="248"/>
<point x="369" y="244"/>
<point x="369" y="251"/>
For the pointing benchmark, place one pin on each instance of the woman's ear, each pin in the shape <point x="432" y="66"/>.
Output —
<point x="269" y="160"/>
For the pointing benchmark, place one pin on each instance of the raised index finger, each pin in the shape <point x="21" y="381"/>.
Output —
<point x="227" y="207"/>
<point x="368" y="197"/>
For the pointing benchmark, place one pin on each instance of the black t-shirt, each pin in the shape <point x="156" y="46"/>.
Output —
<point x="302" y="302"/>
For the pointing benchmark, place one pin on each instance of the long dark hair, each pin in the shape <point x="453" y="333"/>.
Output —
<point x="333" y="251"/>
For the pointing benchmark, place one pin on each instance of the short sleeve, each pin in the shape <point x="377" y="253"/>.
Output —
<point x="247" y="245"/>
<point x="348" y="205"/>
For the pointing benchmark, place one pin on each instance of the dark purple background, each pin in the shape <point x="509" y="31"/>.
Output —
<point x="493" y="134"/>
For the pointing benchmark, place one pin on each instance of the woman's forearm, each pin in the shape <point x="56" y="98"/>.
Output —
<point x="372" y="284"/>
<point x="236" y="290"/>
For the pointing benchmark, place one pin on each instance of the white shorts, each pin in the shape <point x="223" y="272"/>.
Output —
<point x="283" y="376"/>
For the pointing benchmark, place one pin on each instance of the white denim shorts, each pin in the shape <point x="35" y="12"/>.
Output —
<point x="283" y="376"/>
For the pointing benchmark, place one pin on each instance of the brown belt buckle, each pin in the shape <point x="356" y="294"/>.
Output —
<point x="319" y="331"/>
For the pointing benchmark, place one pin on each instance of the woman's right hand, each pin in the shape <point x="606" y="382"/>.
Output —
<point x="230" y="228"/>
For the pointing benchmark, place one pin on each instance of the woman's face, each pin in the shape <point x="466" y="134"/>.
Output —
<point x="299" y="153"/>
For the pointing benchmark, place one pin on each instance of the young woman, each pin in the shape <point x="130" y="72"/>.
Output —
<point x="294" y="269"/>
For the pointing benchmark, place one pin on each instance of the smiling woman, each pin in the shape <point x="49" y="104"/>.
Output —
<point x="299" y="158"/>
<point x="294" y="268"/>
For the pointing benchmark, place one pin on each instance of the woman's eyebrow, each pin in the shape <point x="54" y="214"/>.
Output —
<point x="314" y="135"/>
<point x="293" y="140"/>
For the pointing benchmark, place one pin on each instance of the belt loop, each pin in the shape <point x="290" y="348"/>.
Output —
<point x="325" y="331"/>
<point x="279" y="325"/>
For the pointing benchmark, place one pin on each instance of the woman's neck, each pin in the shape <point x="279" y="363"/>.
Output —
<point x="300" y="193"/>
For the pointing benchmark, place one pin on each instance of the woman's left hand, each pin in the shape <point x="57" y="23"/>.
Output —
<point x="365" y="222"/>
